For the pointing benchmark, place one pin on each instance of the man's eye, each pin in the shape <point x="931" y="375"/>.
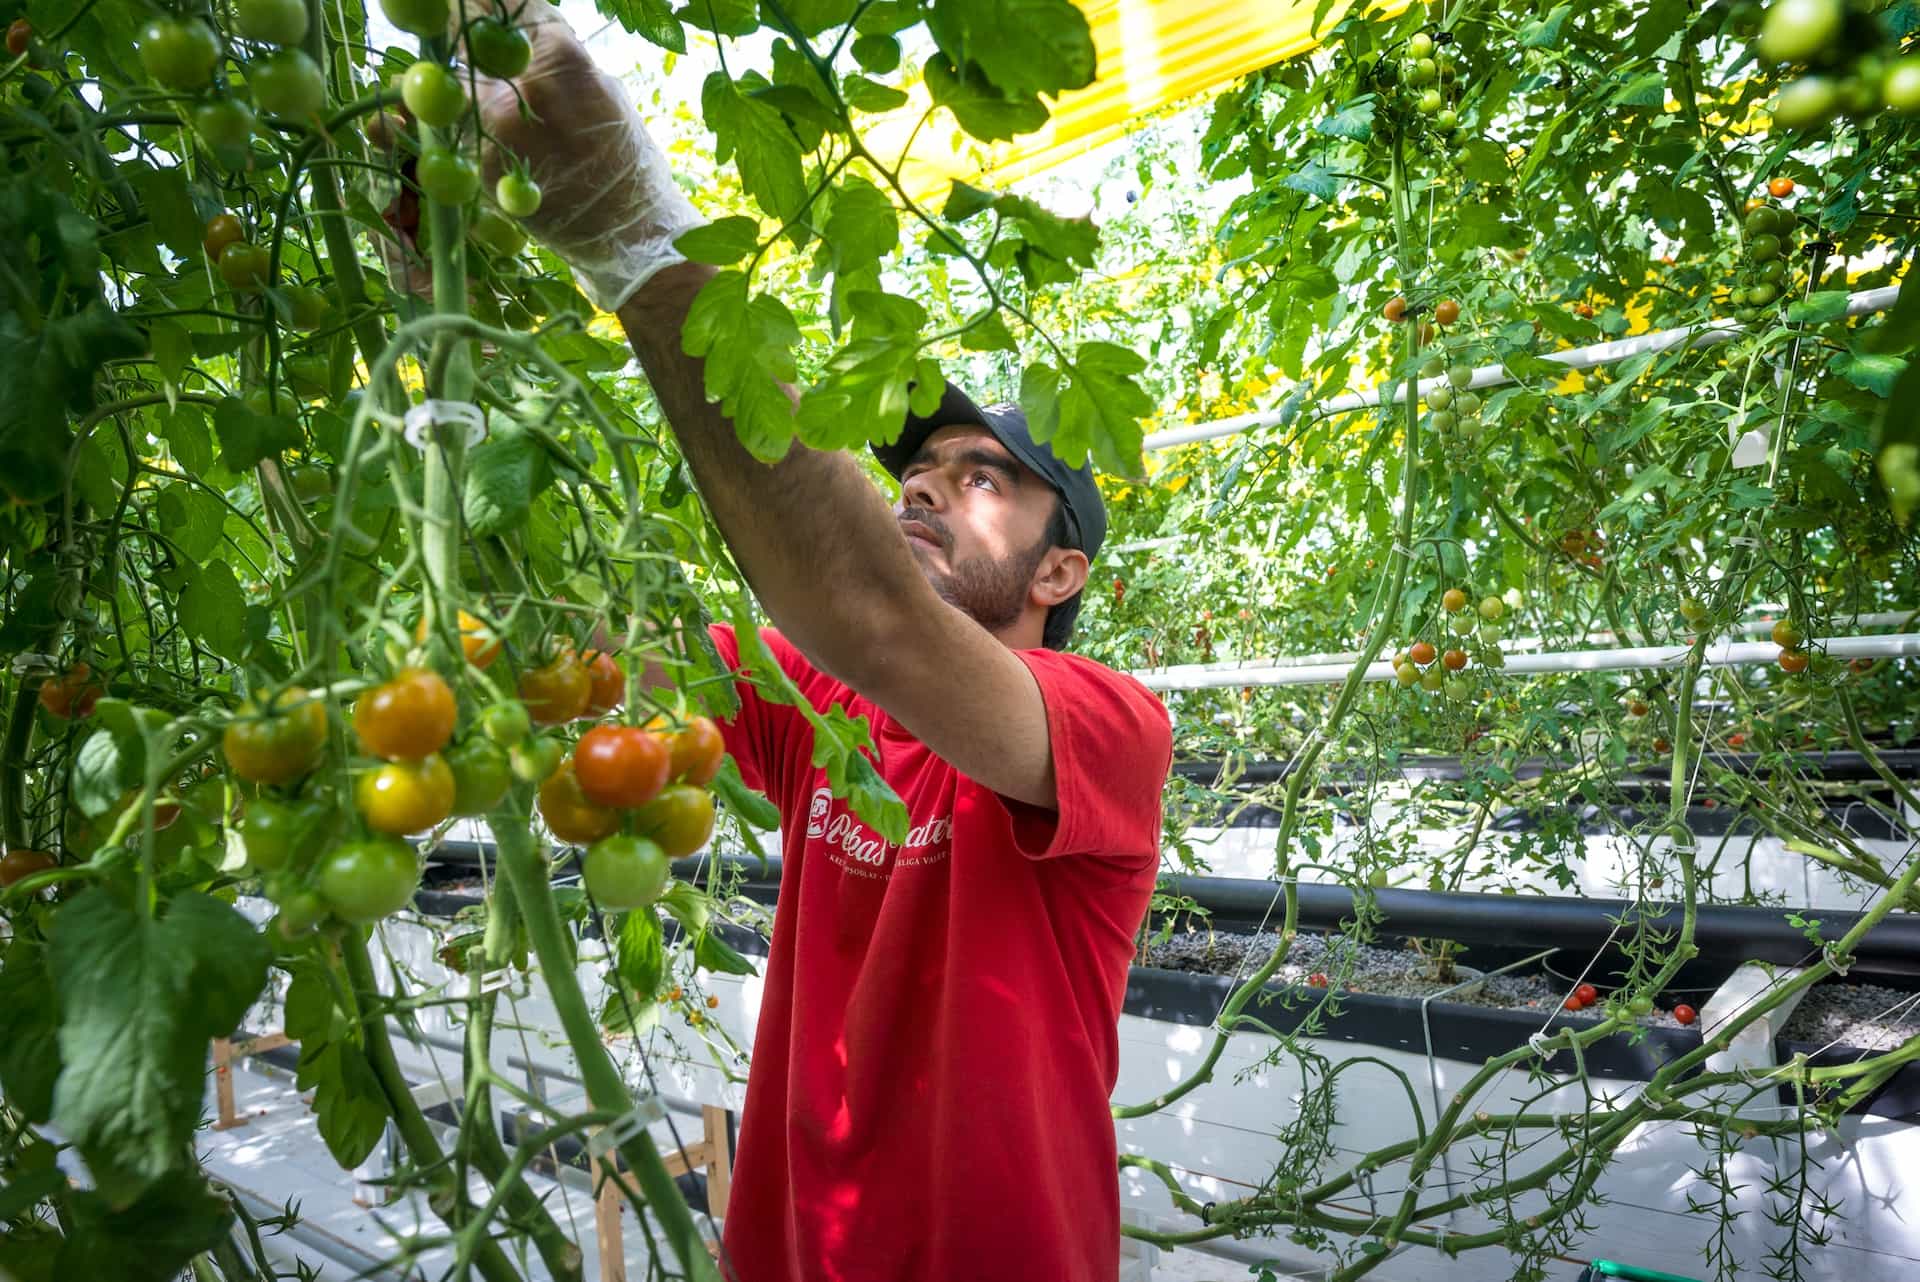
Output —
<point x="985" y="478"/>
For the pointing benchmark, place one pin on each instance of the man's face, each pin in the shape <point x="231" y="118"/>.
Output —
<point x="976" y="520"/>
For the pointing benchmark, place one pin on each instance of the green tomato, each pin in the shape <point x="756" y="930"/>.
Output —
<point x="1491" y="607"/>
<point x="1407" y="674"/>
<point x="273" y="22"/>
<point x="497" y="49"/>
<point x="1420" y="45"/>
<point x="1378" y="878"/>
<point x="517" y="194"/>
<point x="1640" y="1006"/>
<point x="625" y="872"/>
<point x="446" y="177"/>
<point x="299" y="913"/>
<point x="274" y="832"/>
<point x="419" y="17"/>
<point x="1431" y="680"/>
<point x="1432" y="367"/>
<point x="306" y="307"/>
<point x="226" y="127"/>
<point x="1460" y="374"/>
<point x="535" y="760"/>
<point x="1761" y="295"/>
<point x="1800" y="30"/>
<point x="288" y="84"/>
<point x="1900" y="89"/>
<point x="1461" y="625"/>
<point x="433" y="94"/>
<point x="309" y="374"/>
<point x="1469" y="403"/>
<point x="1430" y="102"/>
<point x="481" y="775"/>
<point x="1446" y="119"/>
<point x="1807" y="103"/>
<point x="1420" y="71"/>
<point x="1459" y="689"/>
<point x="1440" y="397"/>
<point x="506" y="723"/>
<point x="1492" y="630"/>
<point x="363" y="881"/>
<point x="1444" y="421"/>
<point x="1764" y="247"/>
<point x="244" y="266"/>
<point x="179" y="53"/>
<point x="496" y="233"/>
<point x="311" y="483"/>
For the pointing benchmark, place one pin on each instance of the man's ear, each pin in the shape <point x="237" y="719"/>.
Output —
<point x="1062" y="572"/>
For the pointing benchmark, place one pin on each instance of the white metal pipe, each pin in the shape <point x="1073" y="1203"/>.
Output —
<point x="1619" y="349"/>
<point x="1625" y="659"/>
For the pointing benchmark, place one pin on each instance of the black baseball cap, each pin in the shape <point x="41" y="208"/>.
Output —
<point x="1086" y="512"/>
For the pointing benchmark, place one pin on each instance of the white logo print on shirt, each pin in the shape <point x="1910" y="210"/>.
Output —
<point x="858" y="849"/>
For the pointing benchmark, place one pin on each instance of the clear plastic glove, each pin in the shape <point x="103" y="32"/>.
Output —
<point x="609" y="206"/>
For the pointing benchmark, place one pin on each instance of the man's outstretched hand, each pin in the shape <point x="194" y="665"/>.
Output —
<point x="609" y="205"/>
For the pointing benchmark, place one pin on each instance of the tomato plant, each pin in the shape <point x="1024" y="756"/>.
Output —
<point x="407" y="796"/>
<point x="606" y="684"/>
<point x="557" y="691"/>
<point x="18" y="865"/>
<point x="365" y="880"/>
<point x="276" y="742"/>
<point x="569" y="813"/>
<point x="179" y="53"/>
<point x="497" y="49"/>
<point x="680" y="819"/>
<point x="72" y="693"/>
<point x="433" y="94"/>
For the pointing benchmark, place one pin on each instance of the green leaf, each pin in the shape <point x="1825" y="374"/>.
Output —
<point x="877" y="53"/>
<point x="764" y="150"/>
<point x="1025" y="47"/>
<point x="172" y="351"/>
<point x="101" y="775"/>
<point x="862" y="227"/>
<point x="710" y="952"/>
<point x="1353" y="120"/>
<point x="752" y="807"/>
<point x="1040" y="399"/>
<point x="348" y="1102"/>
<point x="504" y="475"/>
<point x="639" y="956"/>
<point x="650" y="19"/>
<point x="1315" y="179"/>
<point x="185" y="430"/>
<point x="982" y="110"/>
<point x="811" y="17"/>
<point x="988" y="335"/>
<point x="192" y="518"/>
<point x="1646" y="90"/>
<point x="140" y="999"/>
<point x="722" y="17"/>
<point x="1828" y="304"/>
<point x="213" y="609"/>
<point x="1069" y="240"/>
<point x="247" y="437"/>
<point x="1544" y="33"/>
<point x="48" y="373"/>
<point x="748" y="345"/>
<point x="723" y="241"/>
<point x="29" y="1034"/>
<point x="963" y="202"/>
<point x="1101" y="410"/>
<point x="1899" y="329"/>
<point x="871" y="96"/>
<point x="151" y="1240"/>
<point x="1875" y="373"/>
<point x="167" y="204"/>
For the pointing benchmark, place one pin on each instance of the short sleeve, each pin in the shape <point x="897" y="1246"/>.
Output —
<point x="1112" y="745"/>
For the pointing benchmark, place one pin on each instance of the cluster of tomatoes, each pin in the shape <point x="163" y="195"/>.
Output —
<point x="1416" y="665"/>
<point x="1427" y="74"/>
<point x="1794" y="657"/>
<point x="1587" y="546"/>
<point x="1848" y="60"/>
<point x="183" y="55"/>
<point x="1765" y="273"/>
<point x="636" y="795"/>
<point x="1638" y="1006"/>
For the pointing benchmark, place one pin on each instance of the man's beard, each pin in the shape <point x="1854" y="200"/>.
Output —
<point x="991" y="593"/>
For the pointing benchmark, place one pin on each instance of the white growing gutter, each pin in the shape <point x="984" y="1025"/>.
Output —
<point x="1281" y="672"/>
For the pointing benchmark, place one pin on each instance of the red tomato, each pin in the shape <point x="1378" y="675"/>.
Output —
<point x="1736" y="740"/>
<point x="19" y="36"/>
<point x="607" y="683"/>
<point x="1573" y="1002"/>
<point x="1583" y="310"/>
<point x="1794" y="660"/>
<point x="1661" y="745"/>
<point x="572" y="817"/>
<point x="621" y="766"/>
<point x="407" y="718"/>
<point x="1396" y="309"/>
<point x="1421" y="652"/>
<point x="697" y="748"/>
<point x="72" y="694"/>
<point x="1454" y="660"/>
<point x="557" y="691"/>
<point x="16" y="865"/>
<point x="1587" y="994"/>
<point x="1780" y="188"/>
<point x="1317" y="980"/>
<point x="1447" y="311"/>
<point x="1685" y="1013"/>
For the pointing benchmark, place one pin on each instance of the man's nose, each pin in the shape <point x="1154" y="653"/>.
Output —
<point x="920" y="490"/>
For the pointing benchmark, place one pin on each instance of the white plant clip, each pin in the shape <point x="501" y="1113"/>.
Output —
<point x="494" y="982"/>
<point x="1751" y="449"/>
<point x="421" y="419"/>
<point x="646" y="1110"/>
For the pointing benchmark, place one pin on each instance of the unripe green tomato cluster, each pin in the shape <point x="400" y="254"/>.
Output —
<point x="1850" y="60"/>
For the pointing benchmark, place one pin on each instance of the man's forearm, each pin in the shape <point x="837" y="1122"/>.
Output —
<point x="812" y="535"/>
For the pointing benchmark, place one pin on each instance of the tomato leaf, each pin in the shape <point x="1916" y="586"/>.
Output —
<point x="867" y="95"/>
<point x="761" y="145"/>
<point x="983" y="110"/>
<point x="752" y="807"/>
<point x="29" y="1034"/>
<point x="1353" y="120"/>
<point x="247" y="437"/>
<point x="140" y="998"/>
<point x="348" y="1102"/>
<point x="723" y="241"/>
<point x="748" y="344"/>
<point x="963" y="202"/>
<point x="100" y="774"/>
<point x="504" y="475"/>
<point x="649" y="19"/>
<point x="710" y="952"/>
<point x="861" y="225"/>
<point x="1315" y="179"/>
<point x="1025" y="47"/>
<point x="1100" y="410"/>
<point x="1826" y="305"/>
<point x="213" y="609"/>
<point x="1875" y="373"/>
<point x="150" y="1240"/>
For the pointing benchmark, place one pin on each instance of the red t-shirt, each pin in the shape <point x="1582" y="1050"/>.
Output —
<point x="937" y="1044"/>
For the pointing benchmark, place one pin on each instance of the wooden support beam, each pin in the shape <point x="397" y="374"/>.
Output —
<point x="712" y="1154"/>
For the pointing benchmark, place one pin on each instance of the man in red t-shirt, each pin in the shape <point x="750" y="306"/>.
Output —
<point x="928" y="1100"/>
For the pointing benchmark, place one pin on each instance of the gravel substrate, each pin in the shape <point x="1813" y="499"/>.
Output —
<point x="1863" y="1016"/>
<point x="1365" y="968"/>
